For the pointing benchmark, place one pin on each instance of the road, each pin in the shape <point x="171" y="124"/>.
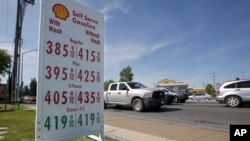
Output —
<point x="203" y="115"/>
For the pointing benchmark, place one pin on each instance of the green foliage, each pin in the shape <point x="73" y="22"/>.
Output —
<point x="106" y="84"/>
<point x="26" y="90"/>
<point x="210" y="89"/>
<point x="126" y="74"/>
<point x="5" y="62"/>
<point x="33" y="87"/>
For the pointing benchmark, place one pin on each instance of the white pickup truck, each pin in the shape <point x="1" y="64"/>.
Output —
<point x="134" y="94"/>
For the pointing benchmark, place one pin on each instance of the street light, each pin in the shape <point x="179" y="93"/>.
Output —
<point x="22" y="69"/>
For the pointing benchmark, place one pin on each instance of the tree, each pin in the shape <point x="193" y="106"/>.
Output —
<point x="210" y="89"/>
<point x="5" y="62"/>
<point x="106" y="84"/>
<point x="26" y="90"/>
<point x="126" y="74"/>
<point x="33" y="87"/>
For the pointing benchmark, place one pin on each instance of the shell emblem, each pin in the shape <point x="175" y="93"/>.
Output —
<point x="60" y="11"/>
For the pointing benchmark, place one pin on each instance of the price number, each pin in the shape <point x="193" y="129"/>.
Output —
<point x="64" y="97"/>
<point x="64" y="121"/>
<point x="64" y="50"/>
<point x="73" y="74"/>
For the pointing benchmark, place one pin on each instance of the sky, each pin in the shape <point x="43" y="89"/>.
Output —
<point x="181" y="40"/>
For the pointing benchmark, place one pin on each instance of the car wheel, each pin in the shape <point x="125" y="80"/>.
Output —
<point x="176" y="100"/>
<point x="191" y="98"/>
<point x="233" y="101"/>
<point x="137" y="105"/>
<point x="206" y="99"/>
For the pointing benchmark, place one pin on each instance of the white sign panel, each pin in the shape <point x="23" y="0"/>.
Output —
<point x="71" y="69"/>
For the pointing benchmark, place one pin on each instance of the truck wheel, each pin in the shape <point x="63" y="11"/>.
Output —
<point x="105" y="105"/>
<point x="182" y="101"/>
<point x="233" y="101"/>
<point x="137" y="105"/>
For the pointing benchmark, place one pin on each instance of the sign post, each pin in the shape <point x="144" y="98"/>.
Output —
<point x="70" y="71"/>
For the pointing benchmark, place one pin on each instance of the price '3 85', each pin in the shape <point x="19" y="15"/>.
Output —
<point x="78" y="53"/>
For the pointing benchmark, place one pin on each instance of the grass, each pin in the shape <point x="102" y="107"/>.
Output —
<point x="21" y="124"/>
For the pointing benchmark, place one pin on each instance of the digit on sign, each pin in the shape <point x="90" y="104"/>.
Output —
<point x="80" y="75"/>
<point x="49" y="49"/>
<point x="56" y="122"/>
<point x="57" y="72"/>
<point x="47" y="97"/>
<point x="92" y="56"/>
<point x="56" y="97"/>
<point x="57" y="50"/>
<point x="80" y="54"/>
<point x="86" y="97"/>
<point x="64" y="121"/>
<point x="92" y="76"/>
<point x="86" y="117"/>
<point x="80" y="97"/>
<point x="80" y="120"/>
<point x="87" y="55"/>
<point x="48" y="75"/>
<point x="64" y="74"/>
<point x="92" y="97"/>
<point x="64" y="97"/>
<point x="86" y="76"/>
<point x="65" y="49"/>
<point x="92" y="118"/>
<point x="47" y="123"/>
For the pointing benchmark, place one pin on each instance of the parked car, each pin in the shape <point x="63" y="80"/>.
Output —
<point x="200" y="96"/>
<point x="234" y="93"/>
<point x="178" y="97"/>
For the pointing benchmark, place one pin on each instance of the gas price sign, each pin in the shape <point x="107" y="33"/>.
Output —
<point x="70" y="73"/>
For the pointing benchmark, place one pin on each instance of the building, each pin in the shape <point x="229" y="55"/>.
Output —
<point x="172" y="84"/>
<point x="196" y="90"/>
<point x="3" y="92"/>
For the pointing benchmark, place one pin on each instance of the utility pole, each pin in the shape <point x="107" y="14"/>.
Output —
<point x="213" y="76"/>
<point x="21" y="6"/>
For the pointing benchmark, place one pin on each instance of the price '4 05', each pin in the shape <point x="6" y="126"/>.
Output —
<point x="78" y="97"/>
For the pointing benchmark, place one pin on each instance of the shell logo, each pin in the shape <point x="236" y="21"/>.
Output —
<point x="60" y="11"/>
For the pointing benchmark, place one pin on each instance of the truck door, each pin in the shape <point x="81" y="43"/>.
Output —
<point x="112" y="94"/>
<point x="123" y="93"/>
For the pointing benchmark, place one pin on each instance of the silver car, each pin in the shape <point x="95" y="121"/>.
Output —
<point x="234" y="93"/>
<point x="200" y="96"/>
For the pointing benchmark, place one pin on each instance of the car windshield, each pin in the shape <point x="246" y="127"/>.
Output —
<point x="171" y="90"/>
<point x="136" y="85"/>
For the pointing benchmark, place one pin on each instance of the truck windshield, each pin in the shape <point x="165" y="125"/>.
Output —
<point x="135" y="85"/>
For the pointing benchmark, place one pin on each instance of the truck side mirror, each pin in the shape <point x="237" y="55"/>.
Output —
<point x="124" y="88"/>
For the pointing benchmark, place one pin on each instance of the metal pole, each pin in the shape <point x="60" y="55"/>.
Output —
<point x="22" y="70"/>
<point x="17" y="39"/>
<point x="21" y="4"/>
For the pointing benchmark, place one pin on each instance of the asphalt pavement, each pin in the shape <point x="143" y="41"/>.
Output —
<point x="130" y="129"/>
